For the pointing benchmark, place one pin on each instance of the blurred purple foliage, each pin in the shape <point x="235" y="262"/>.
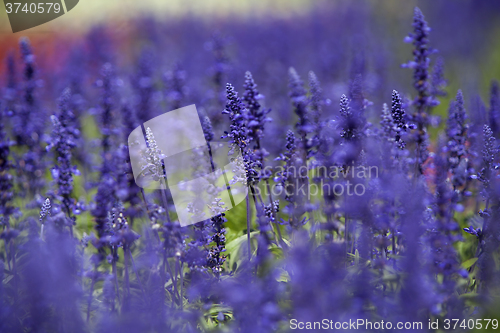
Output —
<point x="412" y="236"/>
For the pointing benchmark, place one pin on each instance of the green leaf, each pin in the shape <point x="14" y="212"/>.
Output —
<point x="284" y="276"/>
<point x="471" y="298"/>
<point x="468" y="263"/>
<point x="237" y="218"/>
<point x="236" y="249"/>
<point x="216" y="308"/>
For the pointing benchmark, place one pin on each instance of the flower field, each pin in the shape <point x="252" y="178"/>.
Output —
<point x="370" y="155"/>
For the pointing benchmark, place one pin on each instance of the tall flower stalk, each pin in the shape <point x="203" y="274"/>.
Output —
<point x="105" y="113"/>
<point x="424" y="101"/>
<point x="63" y="140"/>
<point x="398" y="115"/>
<point x="238" y="138"/>
<point x="6" y="179"/>
<point x="298" y="96"/>
<point x="29" y="125"/>
<point x="257" y="119"/>
<point x="494" y="111"/>
<point x="456" y="130"/>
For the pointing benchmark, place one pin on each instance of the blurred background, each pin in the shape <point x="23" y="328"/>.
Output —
<point x="266" y="37"/>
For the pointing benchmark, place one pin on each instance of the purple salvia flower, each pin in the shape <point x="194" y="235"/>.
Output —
<point x="494" y="112"/>
<point x="144" y="85"/>
<point x="31" y="168"/>
<point x="175" y="86"/>
<point x="397" y="111"/>
<point x="316" y="106"/>
<point x="392" y="133"/>
<point x="252" y="168"/>
<point x="316" y="99"/>
<point x="438" y="82"/>
<point x="195" y="254"/>
<point x="442" y="233"/>
<point x="238" y="115"/>
<point x="25" y="130"/>
<point x="472" y="231"/>
<point x="412" y="263"/>
<point x="31" y="118"/>
<point x="351" y="126"/>
<point x="6" y="180"/>
<point x="45" y="210"/>
<point x="298" y="96"/>
<point x="264" y="239"/>
<point x="456" y="130"/>
<point x="11" y="72"/>
<point x="107" y="187"/>
<point x="103" y="203"/>
<point x="153" y="160"/>
<point x="208" y="130"/>
<point x="441" y="238"/>
<point x="345" y="110"/>
<point x="130" y="122"/>
<point x="387" y="123"/>
<point x="321" y="268"/>
<point x="488" y="242"/>
<point x="357" y="101"/>
<point x="398" y="116"/>
<point x="10" y="94"/>
<point x="424" y="100"/>
<point x="287" y="157"/>
<point x="251" y="297"/>
<point x="352" y="120"/>
<point x="122" y="234"/>
<point x="66" y="116"/>
<point x="63" y="142"/>
<point x="127" y="191"/>
<point x="478" y="117"/>
<point x="257" y="117"/>
<point x="268" y="210"/>
<point x="106" y="86"/>
<point x="420" y="64"/>
<point x="251" y="96"/>
<point x="28" y="127"/>
<point x="347" y="120"/>
<point x="490" y="152"/>
<point x="109" y="294"/>
<point x="216" y="257"/>
<point x="29" y="60"/>
<point x="221" y="67"/>
<point x="78" y="104"/>
<point x="4" y="307"/>
<point x="290" y="180"/>
<point x="173" y="246"/>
